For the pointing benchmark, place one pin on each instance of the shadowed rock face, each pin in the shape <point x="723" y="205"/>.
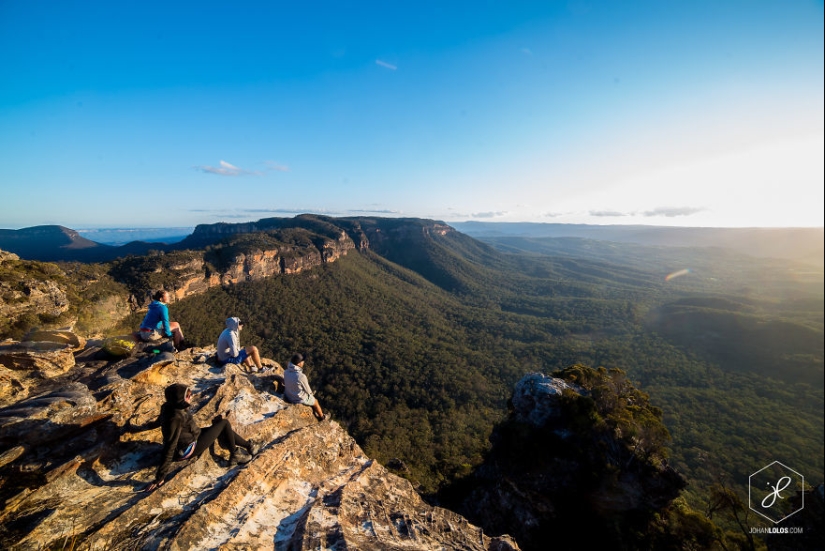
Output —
<point x="554" y="475"/>
<point x="75" y="457"/>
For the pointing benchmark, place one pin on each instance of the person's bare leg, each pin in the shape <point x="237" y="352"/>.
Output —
<point x="255" y="356"/>
<point x="177" y="333"/>
<point x="316" y="408"/>
<point x="248" y="363"/>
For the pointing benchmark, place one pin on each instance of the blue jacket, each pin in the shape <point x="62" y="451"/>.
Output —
<point x="157" y="318"/>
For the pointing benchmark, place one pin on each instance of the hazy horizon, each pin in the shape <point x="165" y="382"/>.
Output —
<point x="700" y="114"/>
<point x="124" y="228"/>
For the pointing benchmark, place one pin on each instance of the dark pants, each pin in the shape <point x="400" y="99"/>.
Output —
<point x="223" y="433"/>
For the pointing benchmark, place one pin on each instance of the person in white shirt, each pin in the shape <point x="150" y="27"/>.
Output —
<point x="297" y="389"/>
<point x="229" y="347"/>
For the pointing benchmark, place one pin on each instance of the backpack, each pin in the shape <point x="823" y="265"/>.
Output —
<point x="119" y="346"/>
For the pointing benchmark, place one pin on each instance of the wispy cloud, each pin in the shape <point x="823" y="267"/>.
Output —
<point x="607" y="213"/>
<point x="226" y="169"/>
<point x="272" y="165"/>
<point x="488" y="214"/>
<point x="671" y="212"/>
<point x="386" y="65"/>
<point x="375" y="211"/>
<point x="244" y="211"/>
<point x="526" y="51"/>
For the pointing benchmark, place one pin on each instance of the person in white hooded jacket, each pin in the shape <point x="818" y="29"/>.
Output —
<point x="297" y="389"/>
<point x="229" y="347"/>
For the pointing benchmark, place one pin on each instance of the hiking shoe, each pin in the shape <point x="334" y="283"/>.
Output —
<point x="254" y="448"/>
<point x="238" y="459"/>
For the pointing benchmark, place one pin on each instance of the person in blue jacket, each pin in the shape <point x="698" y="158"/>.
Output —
<point x="156" y="324"/>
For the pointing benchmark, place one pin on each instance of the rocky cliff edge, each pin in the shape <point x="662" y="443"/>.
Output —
<point x="75" y="460"/>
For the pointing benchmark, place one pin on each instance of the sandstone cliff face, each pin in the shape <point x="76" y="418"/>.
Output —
<point x="75" y="455"/>
<point x="385" y="234"/>
<point x="219" y="255"/>
<point x="219" y="267"/>
<point x="322" y="240"/>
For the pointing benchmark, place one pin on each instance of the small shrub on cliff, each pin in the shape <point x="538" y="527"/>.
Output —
<point x="618" y="409"/>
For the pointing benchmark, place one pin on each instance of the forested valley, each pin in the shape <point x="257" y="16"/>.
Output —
<point x="415" y="345"/>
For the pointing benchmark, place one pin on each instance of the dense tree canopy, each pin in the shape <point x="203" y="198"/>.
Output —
<point x="417" y="350"/>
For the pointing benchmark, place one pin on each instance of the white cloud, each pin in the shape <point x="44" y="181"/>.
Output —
<point x="488" y="214"/>
<point x="607" y="213"/>
<point x="386" y="65"/>
<point x="670" y="212"/>
<point x="227" y="169"/>
<point x="374" y="211"/>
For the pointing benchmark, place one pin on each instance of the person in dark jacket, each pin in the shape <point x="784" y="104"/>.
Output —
<point x="182" y="438"/>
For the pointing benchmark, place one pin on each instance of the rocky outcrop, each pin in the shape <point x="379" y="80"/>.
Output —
<point x="42" y="355"/>
<point x="564" y="472"/>
<point x="384" y="234"/>
<point x="45" y="360"/>
<point x="245" y="257"/>
<point x="76" y="453"/>
<point x="537" y="398"/>
<point x="41" y="294"/>
<point x="29" y="291"/>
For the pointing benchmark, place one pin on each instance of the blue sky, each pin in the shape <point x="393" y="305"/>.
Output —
<point x="144" y="114"/>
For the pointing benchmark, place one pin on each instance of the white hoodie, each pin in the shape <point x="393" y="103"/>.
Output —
<point x="229" y="343"/>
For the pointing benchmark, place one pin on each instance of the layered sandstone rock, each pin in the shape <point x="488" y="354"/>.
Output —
<point x="76" y="453"/>
<point x="196" y="275"/>
<point x="36" y="359"/>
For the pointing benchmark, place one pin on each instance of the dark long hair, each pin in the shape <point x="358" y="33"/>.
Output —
<point x="175" y="399"/>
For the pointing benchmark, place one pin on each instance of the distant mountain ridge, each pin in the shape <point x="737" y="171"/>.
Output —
<point x="52" y="240"/>
<point x="801" y="244"/>
<point x="121" y="236"/>
<point x="56" y="243"/>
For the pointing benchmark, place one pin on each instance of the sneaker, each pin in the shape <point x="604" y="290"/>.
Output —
<point x="254" y="447"/>
<point x="238" y="459"/>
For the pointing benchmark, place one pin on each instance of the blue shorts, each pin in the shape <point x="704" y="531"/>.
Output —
<point x="239" y="359"/>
